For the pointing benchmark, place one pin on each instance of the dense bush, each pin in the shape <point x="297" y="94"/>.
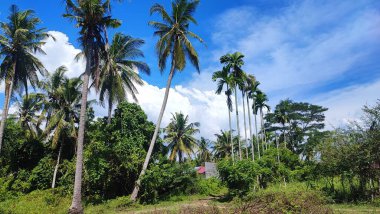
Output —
<point x="210" y="186"/>
<point x="164" y="180"/>
<point x="294" y="198"/>
<point x="239" y="177"/>
<point x="245" y="175"/>
<point x="113" y="156"/>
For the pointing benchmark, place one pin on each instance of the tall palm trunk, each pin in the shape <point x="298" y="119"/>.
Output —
<point x="56" y="165"/>
<point x="8" y="93"/>
<point x="231" y="139"/>
<point x="76" y="204"/>
<point x="245" y="124"/>
<point x="257" y="136"/>
<point x="237" y="121"/>
<point x="250" y="130"/>
<point x="109" y="111"/>
<point x="152" y="142"/>
<point x="262" y="129"/>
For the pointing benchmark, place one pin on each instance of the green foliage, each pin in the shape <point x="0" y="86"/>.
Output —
<point x="243" y="176"/>
<point x="165" y="180"/>
<point x="41" y="176"/>
<point x="39" y="201"/>
<point x="18" y="152"/>
<point x="240" y="176"/>
<point x="297" y="121"/>
<point x="294" y="198"/>
<point x="116" y="152"/>
<point x="210" y="186"/>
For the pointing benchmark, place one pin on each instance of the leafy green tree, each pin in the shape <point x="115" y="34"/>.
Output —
<point x="233" y="63"/>
<point x="117" y="151"/>
<point x="118" y="75"/>
<point x="180" y="136"/>
<point x="298" y="121"/>
<point x="224" y="79"/>
<point x="21" y="39"/>
<point x="174" y="41"/>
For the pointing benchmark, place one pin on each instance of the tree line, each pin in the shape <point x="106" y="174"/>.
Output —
<point x="39" y="149"/>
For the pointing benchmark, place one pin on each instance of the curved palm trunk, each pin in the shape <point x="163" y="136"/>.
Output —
<point x="56" y="166"/>
<point x="8" y="92"/>
<point x="237" y="122"/>
<point x="245" y="125"/>
<point x="76" y="204"/>
<point x="109" y="111"/>
<point x="231" y="140"/>
<point x="152" y="142"/>
<point x="257" y="138"/>
<point x="250" y="130"/>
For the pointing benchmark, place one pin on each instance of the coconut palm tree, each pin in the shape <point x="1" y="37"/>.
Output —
<point x="233" y="63"/>
<point x="174" y="42"/>
<point x="204" y="153"/>
<point x="118" y="74"/>
<point x="261" y="103"/>
<point x="224" y="79"/>
<point x="28" y="114"/>
<point x="64" y="107"/>
<point x="21" y="39"/>
<point x="180" y="136"/>
<point x="222" y="148"/>
<point x="93" y="18"/>
<point x="250" y="89"/>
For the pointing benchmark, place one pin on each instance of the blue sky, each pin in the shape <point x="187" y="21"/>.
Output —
<point x="320" y="51"/>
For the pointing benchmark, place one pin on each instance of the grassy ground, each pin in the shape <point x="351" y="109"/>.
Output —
<point x="49" y="201"/>
<point x="354" y="208"/>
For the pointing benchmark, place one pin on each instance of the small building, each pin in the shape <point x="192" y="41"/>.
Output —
<point x="208" y="170"/>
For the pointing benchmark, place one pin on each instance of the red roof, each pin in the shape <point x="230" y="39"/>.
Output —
<point x="201" y="170"/>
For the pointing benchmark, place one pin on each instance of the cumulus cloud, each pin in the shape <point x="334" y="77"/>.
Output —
<point x="61" y="52"/>
<point x="201" y="106"/>
<point x="302" y="49"/>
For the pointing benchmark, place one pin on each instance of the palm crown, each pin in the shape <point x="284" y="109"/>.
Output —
<point x="174" y="33"/>
<point x="21" y="39"/>
<point x="118" y="72"/>
<point x="93" y="18"/>
<point x="179" y="135"/>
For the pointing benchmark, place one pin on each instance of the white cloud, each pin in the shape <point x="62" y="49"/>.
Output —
<point x="61" y="52"/>
<point x="302" y="48"/>
<point x="345" y="105"/>
<point x="201" y="106"/>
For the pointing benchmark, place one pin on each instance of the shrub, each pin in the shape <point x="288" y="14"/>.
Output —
<point x="40" y="201"/>
<point x="42" y="175"/>
<point x="164" y="180"/>
<point x="238" y="177"/>
<point x="211" y="186"/>
<point x="294" y="198"/>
